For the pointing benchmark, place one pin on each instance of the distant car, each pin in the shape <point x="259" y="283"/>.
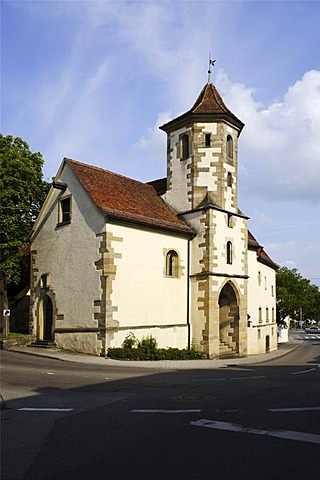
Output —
<point x="312" y="330"/>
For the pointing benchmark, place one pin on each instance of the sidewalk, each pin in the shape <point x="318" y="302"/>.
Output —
<point x="69" y="356"/>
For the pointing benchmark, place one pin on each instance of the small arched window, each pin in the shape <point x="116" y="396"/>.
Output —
<point x="185" y="147"/>
<point x="229" y="179"/>
<point x="229" y="146"/>
<point x="229" y="253"/>
<point x="172" y="263"/>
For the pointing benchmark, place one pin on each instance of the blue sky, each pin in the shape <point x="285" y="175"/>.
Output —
<point x="93" y="80"/>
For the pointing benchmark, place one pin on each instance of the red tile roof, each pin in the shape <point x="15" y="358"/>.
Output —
<point x="209" y="105"/>
<point x="123" y="198"/>
<point x="210" y="101"/>
<point x="262" y="255"/>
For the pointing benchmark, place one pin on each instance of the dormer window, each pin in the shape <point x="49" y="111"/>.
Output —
<point x="229" y="146"/>
<point x="184" y="147"/>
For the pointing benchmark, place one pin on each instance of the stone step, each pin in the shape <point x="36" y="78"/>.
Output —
<point x="225" y="351"/>
<point x="42" y="344"/>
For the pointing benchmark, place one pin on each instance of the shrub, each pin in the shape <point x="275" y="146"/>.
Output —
<point x="130" y="341"/>
<point x="147" y="349"/>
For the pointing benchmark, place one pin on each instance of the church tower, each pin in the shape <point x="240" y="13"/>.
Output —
<point x="202" y="188"/>
<point x="202" y="154"/>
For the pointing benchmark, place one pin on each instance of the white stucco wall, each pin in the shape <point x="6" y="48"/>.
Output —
<point x="176" y="194"/>
<point x="142" y="293"/>
<point x="261" y="294"/>
<point x="68" y="254"/>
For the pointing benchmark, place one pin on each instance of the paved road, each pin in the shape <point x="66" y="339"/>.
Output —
<point x="257" y="421"/>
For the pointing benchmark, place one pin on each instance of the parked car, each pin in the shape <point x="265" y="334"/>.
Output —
<point x="312" y="330"/>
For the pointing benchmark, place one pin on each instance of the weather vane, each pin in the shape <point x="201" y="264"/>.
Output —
<point x="211" y="62"/>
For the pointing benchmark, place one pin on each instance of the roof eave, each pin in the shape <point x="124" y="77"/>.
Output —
<point x="187" y="232"/>
<point x="188" y="118"/>
<point x="270" y="263"/>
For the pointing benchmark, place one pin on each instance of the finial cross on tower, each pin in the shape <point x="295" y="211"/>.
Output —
<point x="211" y="62"/>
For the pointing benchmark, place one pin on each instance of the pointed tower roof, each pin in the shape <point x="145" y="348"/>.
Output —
<point x="209" y="107"/>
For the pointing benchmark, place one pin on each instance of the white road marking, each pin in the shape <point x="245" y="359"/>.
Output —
<point x="296" y="409"/>
<point x="287" y="434"/>
<point x="207" y="380"/>
<point x="306" y="371"/>
<point x="248" y="378"/>
<point x="29" y="409"/>
<point x="164" y="411"/>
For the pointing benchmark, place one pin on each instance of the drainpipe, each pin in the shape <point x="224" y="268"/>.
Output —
<point x="188" y="292"/>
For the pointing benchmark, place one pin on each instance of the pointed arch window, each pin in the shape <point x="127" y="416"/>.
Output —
<point x="229" y="146"/>
<point x="172" y="264"/>
<point x="185" y="147"/>
<point x="229" y="253"/>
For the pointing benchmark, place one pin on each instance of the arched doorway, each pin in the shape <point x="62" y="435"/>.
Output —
<point x="267" y="343"/>
<point x="47" y="313"/>
<point x="228" y="322"/>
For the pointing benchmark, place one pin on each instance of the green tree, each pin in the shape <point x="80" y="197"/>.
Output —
<point x="296" y="296"/>
<point x="22" y="193"/>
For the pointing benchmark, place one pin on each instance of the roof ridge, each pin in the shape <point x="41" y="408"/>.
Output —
<point x="93" y="167"/>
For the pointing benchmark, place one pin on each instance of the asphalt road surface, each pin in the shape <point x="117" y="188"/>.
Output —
<point x="73" y="421"/>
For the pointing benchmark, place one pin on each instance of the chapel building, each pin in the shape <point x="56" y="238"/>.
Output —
<point x="172" y="258"/>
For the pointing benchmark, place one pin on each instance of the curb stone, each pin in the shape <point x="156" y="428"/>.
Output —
<point x="75" y="357"/>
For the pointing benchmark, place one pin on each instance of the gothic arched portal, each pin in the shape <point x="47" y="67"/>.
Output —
<point x="228" y="321"/>
<point x="47" y="318"/>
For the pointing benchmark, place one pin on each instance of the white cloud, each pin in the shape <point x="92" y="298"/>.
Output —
<point x="280" y="146"/>
<point x="155" y="137"/>
<point x="286" y="253"/>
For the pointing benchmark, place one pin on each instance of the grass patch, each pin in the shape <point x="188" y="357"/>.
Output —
<point x="14" y="335"/>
